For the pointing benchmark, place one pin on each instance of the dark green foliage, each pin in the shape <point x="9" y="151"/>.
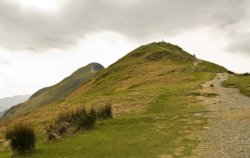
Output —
<point x="231" y="72"/>
<point x="79" y="118"/>
<point x="71" y="122"/>
<point x="91" y="118"/>
<point x="83" y="119"/>
<point x="105" y="112"/>
<point x="22" y="138"/>
<point x="245" y="74"/>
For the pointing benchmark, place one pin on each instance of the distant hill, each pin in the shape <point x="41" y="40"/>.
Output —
<point x="8" y="102"/>
<point x="2" y="113"/>
<point x="56" y="92"/>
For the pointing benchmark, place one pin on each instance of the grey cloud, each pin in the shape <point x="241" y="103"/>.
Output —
<point x="20" y="29"/>
<point x="239" y="43"/>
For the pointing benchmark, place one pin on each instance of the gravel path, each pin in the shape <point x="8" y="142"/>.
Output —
<point x="228" y="132"/>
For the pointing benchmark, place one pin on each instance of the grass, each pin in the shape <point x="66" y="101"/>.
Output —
<point x="241" y="82"/>
<point x="153" y="102"/>
<point x="166" y="125"/>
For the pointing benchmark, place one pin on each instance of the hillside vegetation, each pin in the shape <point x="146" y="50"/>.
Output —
<point x="151" y="91"/>
<point x="239" y="81"/>
<point x="56" y="92"/>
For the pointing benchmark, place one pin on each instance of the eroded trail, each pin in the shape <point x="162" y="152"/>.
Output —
<point x="228" y="132"/>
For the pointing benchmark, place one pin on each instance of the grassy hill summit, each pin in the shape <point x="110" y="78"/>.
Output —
<point x="145" y="67"/>
<point x="56" y="92"/>
<point x="152" y="91"/>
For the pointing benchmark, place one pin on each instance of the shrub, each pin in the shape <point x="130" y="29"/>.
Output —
<point x="105" y="112"/>
<point x="22" y="138"/>
<point x="91" y="118"/>
<point x="52" y="133"/>
<point x="71" y="122"/>
<point x="245" y="74"/>
<point x="80" y="116"/>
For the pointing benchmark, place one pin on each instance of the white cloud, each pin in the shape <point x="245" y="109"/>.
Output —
<point x="212" y="47"/>
<point x="29" y="71"/>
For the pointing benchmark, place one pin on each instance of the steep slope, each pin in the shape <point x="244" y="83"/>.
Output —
<point x="152" y="91"/>
<point x="56" y="92"/>
<point x="8" y="102"/>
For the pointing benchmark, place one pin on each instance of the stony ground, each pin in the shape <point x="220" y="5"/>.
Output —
<point x="228" y="132"/>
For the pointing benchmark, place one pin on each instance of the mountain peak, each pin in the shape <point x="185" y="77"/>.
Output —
<point x="96" y="66"/>
<point x="159" y="51"/>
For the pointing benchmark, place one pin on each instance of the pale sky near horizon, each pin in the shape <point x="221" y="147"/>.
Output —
<point x="43" y="41"/>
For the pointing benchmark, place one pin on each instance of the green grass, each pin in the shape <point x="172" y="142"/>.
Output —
<point x="239" y="81"/>
<point x="168" y="124"/>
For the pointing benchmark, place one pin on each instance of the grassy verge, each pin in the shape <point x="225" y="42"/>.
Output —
<point x="167" y="127"/>
<point x="239" y="81"/>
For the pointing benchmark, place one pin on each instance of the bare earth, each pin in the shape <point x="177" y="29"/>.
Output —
<point x="228" y="132"/>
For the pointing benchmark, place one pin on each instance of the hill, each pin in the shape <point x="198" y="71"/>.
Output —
<point x="152" y="91"/>
<point x="56" y="92"/>
<point x="8" y="102"/>
<point x="144" y="66"/>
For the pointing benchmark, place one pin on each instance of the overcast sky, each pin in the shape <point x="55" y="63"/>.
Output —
<point x="43" y="41"/>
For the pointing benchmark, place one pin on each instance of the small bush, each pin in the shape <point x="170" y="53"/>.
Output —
<point x="245" y="74"/>
<point x="91" y="118"/>
<point x="105" y="112"/>
<point x="71" y="122"/>
<point x="22" y="138"/>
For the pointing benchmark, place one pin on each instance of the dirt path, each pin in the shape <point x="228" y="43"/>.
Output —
<point x="228" y="132"/>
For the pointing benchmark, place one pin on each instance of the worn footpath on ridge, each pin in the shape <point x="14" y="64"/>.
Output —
<point x="228" y="132"/>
